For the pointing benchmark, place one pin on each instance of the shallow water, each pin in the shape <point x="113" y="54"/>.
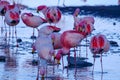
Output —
<point x="18" y="64"/>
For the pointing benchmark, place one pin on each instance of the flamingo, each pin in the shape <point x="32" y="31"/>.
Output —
<point x="32" y="20"/>
<point x="98" y="45"/>
<point x="69" y="39"/>
<point x="44" y="47"/>
<point x="12" y="18"/>
<point x="84" y="25"/>
<point x="52" y="14"/>
<point x="3" y="5"/>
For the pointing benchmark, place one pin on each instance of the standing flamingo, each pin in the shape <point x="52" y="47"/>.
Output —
<point x="3" y="5"/>
<point x="33" y="21"/>
<point x="12" y="18"/>
<point x="98" y="45"/>
<point x="69" y="39"/>
<point x="84" y="25"/>
<point x="52" y="14"/>
<point x="44" y="47"/>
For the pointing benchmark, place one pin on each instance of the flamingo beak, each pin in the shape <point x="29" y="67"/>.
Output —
<point x="37" y="11"/>
<point x="44" y="20"/>
<point x="56" y="29"/>
<point x="33" y="51"/>
<point x="58" y="61"/>
<point x="42" y="77"/>
<point x="41" y="7"/>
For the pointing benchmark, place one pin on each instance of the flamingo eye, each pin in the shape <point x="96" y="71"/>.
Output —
<point x="54" y="14"/>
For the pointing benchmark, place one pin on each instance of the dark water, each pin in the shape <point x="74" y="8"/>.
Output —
<point x="18" y="64"/>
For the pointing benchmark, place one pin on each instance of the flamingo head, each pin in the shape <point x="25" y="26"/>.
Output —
<point x="3" y="11"/>
<point x="58" y="56"/>
<point x="41" y="7"/>
<point x="47" y="30"/>
<point x="3" y="7"/>
<point x="77" y="11"/>
<point x="28" y="14"/>
<point x="53" y="15"/>
<point x="54" y="28"/>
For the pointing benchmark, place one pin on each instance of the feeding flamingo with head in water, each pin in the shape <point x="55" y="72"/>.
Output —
<point x="99" y="45"/>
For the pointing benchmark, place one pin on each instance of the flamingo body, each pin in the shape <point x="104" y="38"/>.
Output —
<point x="32" y="20"/>
<point x="52" y="14"/>
<point x="70" y="39"/>
<point x="43" y="43"/>
<point x="12" y="18"/>
<point x="56" y="40"/>
<point x="99" y="44"/>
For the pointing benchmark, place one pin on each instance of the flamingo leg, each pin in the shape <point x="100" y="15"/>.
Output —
<point x="86" y="48"/>
<point x="16" y="36"/>
<point x="53" y="68"/>
<point x="75" y="61"/>
<point x="101" y="63"/>
<point x="2" y="26"/>
<point x="9" y="34"/>
<point x="93" y="65"/>
<point x="37" y="29"/>
<point x="79" y="51"/>
<point x="38" y="70"/>
<point x="5" y="32"/>
<point x="63" y="2"/>
<point x="62" y="63"/>
<point x="68" y="62"/>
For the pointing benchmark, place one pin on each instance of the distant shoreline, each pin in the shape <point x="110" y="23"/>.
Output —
<point x="105" y="11"/>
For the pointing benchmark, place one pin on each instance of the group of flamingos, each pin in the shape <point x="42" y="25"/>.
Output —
<point x="51" y="45"/>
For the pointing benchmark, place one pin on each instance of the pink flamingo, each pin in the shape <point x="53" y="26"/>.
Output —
<point x="69" y="39"/>
<point x="44" y="47"/>
<point x="52" y="14"/>
<point x="98" y="45"/>
<point x="32" y="21"/>
<point x="84" y="25"/>
<point x="12" y="18"/>
<point x="3" y="5"/>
